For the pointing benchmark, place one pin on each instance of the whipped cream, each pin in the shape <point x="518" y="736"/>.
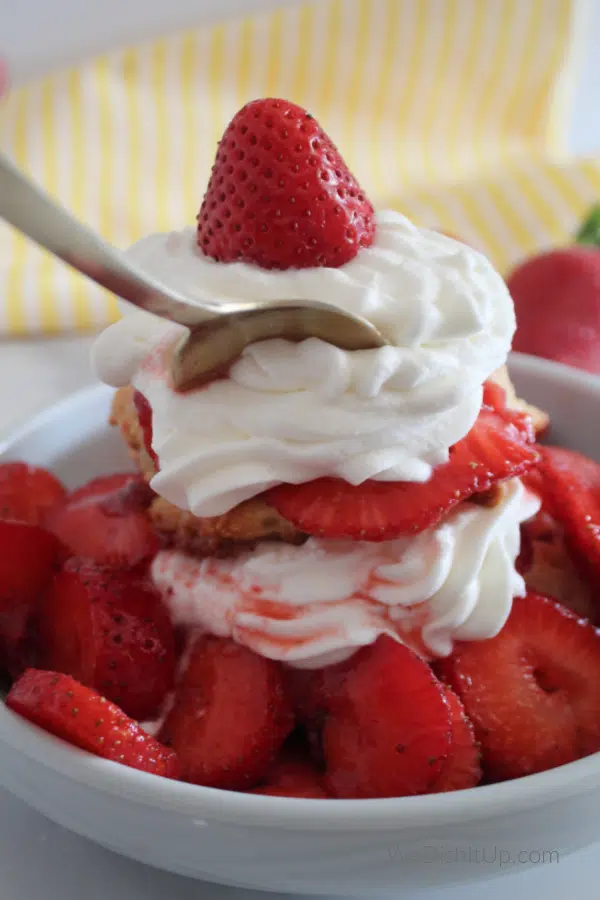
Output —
<point x="316" y="604"/>
<point x="295" y="412"/>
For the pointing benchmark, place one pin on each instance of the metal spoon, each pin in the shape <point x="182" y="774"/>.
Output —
<point x="219" y="331"/>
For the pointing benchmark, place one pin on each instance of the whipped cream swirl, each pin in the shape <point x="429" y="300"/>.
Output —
<point x="316" y="604"/>
<point x="295" y="412"/>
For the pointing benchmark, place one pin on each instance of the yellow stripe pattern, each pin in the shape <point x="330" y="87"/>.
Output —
<point x="452" y="111"/>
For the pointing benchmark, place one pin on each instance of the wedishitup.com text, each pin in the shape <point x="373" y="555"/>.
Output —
<point x="490" y="855"/>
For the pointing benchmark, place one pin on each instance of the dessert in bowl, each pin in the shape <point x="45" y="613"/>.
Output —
<point x="325" y="581"/>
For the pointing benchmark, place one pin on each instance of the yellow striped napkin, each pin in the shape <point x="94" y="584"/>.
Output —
<point x="452" y="111"/>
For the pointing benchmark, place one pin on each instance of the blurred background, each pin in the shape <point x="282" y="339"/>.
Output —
<point x="67" y="30"/>
<point x="476" y="117"/>
<point x="470" y="116"/>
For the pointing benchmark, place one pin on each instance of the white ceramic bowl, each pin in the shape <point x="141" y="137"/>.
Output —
<point x="328" y="846"/>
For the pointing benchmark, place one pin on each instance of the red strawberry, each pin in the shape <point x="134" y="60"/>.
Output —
<point x="387" y="732"/>
<point x="306" y="688"/>
<point x="293" y="775"/>
<point x="134" y="495"/>
<point x="497" y="447"/>
<point x="144" y="414"/>
<point x="572" y="490"/>
<point x="230" y="715"/>
<point x="280" y="195"/>
<point x="550" y="564"/>
<point x="110" y="631"/>
<point x="27" y="492"/>
<point x="543" y="526"/>
<point x="534" y="481"/>
<point x="28" y="561"/>
<point x="533" y="691"/>
<point x="67" y="709"/>
<point x="93" y="523"/>
<point x="307" y="692"/>
<point x="557" y="301"/>
<point x="462" y="769"/>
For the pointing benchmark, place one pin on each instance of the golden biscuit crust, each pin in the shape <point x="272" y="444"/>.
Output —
<point x="123" y="415"/>
<point x="241" y="527"/>
<point x="251" y="521"/>
<point x="541" y="419"/>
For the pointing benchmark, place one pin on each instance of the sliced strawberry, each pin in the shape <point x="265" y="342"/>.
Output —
<point x="462" y="769"/>
<point x="280" y="196"/>
<point x="494" y="397"/>
<point x="533" y="691"/>
<point x="572" y="487"/>
<point x="144" y="414"/>
<point x="306" y="688"/>
<point x="110" y="631"/>
<point x="67" y="709"/>
<point x="557" y="548"/>
<point x="497" y="447"/>
<point x="546" y="561"/>
<point x="533" y="480"/>
<point x="293" y="775"/>
<point x="134" y="495"/>
<point x="28" y="561"/>
<point x="27" y="493"/>
<point x="387" y="732"/>
<point x="551" y="569"/>
<point x="230" y="715"/>
<point x="93" y="522"/>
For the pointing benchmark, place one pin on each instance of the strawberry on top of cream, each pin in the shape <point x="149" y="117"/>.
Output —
<point x="283" y="218"/>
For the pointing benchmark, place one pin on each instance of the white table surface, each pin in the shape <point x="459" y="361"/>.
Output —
<point x="36" y="373"/>
<point x="39" y="861"/>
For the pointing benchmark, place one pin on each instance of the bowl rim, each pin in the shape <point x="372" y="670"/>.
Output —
<point x="395" y="813"/>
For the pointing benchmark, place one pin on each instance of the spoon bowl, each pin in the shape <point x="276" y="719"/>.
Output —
<point x="218" y="331"/>
<point x="208" y="350"/>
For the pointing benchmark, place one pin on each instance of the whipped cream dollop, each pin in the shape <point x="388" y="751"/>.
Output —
<point x="316" y="604"/>
<point x="295" y="412"/>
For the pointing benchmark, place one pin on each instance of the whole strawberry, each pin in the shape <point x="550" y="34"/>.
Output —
<point x="557" y="301"/>
<point x="280" y="195"/>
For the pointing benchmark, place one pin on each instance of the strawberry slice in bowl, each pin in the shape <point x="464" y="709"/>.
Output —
<point x="462" y="769"/>
<point x="293" y="774"/>
<point x="387" y="728"/>
<point x="29" y="558"/>
<point x="28" y="493"/>
<point x="105" y="521"/>
<point x="532" y="693"/>
<point x="110" y="630"/>
<point x="570" y="486"/>
<point x="230" y="715"/>
<point x="59" y="704"/>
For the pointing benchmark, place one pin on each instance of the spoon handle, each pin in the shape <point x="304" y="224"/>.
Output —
<point x="34" y="213"/>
